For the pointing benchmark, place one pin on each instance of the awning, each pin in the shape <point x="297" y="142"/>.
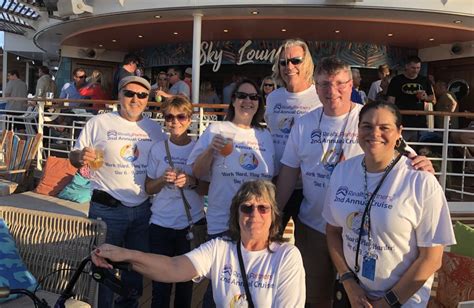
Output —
<point x="17" y="16"/>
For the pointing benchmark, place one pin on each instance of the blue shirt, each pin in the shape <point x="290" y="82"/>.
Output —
<point x="355" y="97"/>
<point x="69" y="90"/>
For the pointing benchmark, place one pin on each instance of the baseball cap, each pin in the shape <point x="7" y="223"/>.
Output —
<point x="188" y="71"/>
<point x="134" y="79"/>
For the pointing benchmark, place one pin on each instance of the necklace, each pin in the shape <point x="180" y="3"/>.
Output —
<point x="331" y="157"/>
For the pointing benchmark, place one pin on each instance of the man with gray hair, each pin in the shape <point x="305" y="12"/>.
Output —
<point x="293" y="69"/>
<point x="356" y="80"/>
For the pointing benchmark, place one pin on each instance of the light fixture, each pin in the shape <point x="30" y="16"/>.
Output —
<point x="18" y="58"/>
<point x="283" y="30"/>
<point x="337" y="31"/>
<point x="33" y="62"/>
<point x="225" y="30"/>
<point x="140" y="36"/>
<point x="114" y="41"/>
<point x="254" y="12"/>
<point x="100" y="45"/>
<point x="431" y="39"/>
<point x="390" y="34"/>
<point x="175" y="33"/>
<point x="157" y="16"/>
<point x="457" y="21"/>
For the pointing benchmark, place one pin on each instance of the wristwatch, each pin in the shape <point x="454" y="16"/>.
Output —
<point x="392" y="299"/>
<point x="347" y="275"/>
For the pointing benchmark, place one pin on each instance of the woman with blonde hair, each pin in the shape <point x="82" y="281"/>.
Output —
<point x="267" y="86"/>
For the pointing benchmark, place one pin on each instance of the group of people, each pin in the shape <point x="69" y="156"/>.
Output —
<point x="363" y="211"/>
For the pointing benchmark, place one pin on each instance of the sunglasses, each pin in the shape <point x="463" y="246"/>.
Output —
<point x="248" y="208"/>
<point x="140" y="95"/>
<point x="180" y="117"/>
<point x="294" y="61"/>
<point x="80" y="77"/>
<point x="243" y="95"/>
<point x="268" y="85"/>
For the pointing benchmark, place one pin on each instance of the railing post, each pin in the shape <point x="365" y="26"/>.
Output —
<point x="39" y="156"/>
<point x="444" y="155"/>
<point x="201" y="117"/>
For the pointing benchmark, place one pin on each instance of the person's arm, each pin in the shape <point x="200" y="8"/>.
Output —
<point x="156" y="267"/>
<point x="286" y="183"/>
<point x="453" y="103"/>
<point x="356" y="294"/>
<point x="427" y="263"/>
<point x="154" y="186"/>
<point x="202" y="164"/>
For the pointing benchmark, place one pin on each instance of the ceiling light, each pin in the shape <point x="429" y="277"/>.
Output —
<point x="175" y="33"/>
<point x="114" y="41"/>
<point x="225" y="30"/>
<point x="337" y="31"/>
<point x="140" y="36"/>
<point x="157" y="16"/>
<point x="254" y="12"/>
<point x="18" y="58"/>
<point x="457" y="21"/>
<point x="390" y="34"/>
<point x="100" y="45"/>
<point x="283" y="30"/>
<point x="431" y="39"/>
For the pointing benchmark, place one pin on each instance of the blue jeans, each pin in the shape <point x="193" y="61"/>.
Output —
<point x="170" y="242"/>
<point x="208" y="300"/>
<point x="126" y="227"/>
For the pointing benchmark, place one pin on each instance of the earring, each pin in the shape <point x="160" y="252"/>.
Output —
<point x="398" y="143"/>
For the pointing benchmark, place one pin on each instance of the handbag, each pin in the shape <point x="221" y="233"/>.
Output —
<point x="197" y="232"/>
<point x="340" y="297"/>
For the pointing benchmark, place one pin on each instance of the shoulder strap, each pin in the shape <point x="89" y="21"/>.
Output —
<point x="244" y="276"/>
<point x="186" y="204"/>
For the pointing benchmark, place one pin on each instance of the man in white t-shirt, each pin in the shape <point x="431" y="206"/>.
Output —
<point x="118" y="197"/>
<point x="317" y="142"/>
<point x="293" y="70"/>
<point x="375" y="87"/>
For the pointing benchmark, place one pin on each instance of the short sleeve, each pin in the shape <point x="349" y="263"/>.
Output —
<point x="391" y="91"/>
<point x="327" y="209"/>
<point x="201" y="144"/>
<point x="153" y="161"/>
<point x="290" y="154"/>
<point x="202" y="259"/>
<point x="374" y="87"/>
<point x="84" y="139"/>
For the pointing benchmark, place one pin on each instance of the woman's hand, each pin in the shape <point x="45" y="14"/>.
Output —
<point x="380" y="303"/>
<point x="356" y="294"/>
<point x="420" y="162"/>
<point x="183" y="180"/>
<point x="170" y="175"/>
<point x="107" y="251"/>
<point x="217" y="143"/>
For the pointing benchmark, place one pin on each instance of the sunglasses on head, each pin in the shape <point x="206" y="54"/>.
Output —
<point x="180" y="117"/>
<point x="248" y="208"/>
<point x="268" y="85"/>
<point x="294" y="61"/>
<point x="140" y="95"/>
<point x="243" y="95"/>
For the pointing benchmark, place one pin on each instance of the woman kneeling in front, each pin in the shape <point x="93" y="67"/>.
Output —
<point x="274" y="270"/>
<point x="387" y="223"/>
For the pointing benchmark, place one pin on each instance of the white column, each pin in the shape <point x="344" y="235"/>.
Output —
<point x="4" y="71"/>
<point x="197" y="23"/>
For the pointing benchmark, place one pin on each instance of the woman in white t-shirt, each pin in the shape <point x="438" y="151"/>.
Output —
<point x="273" y="269"/>
<point x="385" y="246"/>
<point x="232" y="152"/>
<point x="169" y="222"/>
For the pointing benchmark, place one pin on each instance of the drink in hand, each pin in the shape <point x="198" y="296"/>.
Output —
<point x="97" y="163"/>
<point x="228" y="147"/>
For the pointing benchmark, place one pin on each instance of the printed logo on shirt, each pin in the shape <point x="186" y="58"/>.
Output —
<point x="129" y="152"/>
<point x="411" y="88"/>
<point x="354" y="221"/>
<point x="286" y="124"/>
<point x="248" y="161"/>
<point x="238" y="301"/>
<point x="112" y="135"/>
<point x="277" y="108"/>
<point x="176" y="160"/>
<point x="316" y="136"/>
<point x="341" y="193"/>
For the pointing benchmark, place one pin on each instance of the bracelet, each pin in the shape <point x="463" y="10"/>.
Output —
<point x="347" y="275"/>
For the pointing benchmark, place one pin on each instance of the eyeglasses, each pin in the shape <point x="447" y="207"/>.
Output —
<point x="339" y="85"/>
<point x="248" y="208"/>
<point x="268" y="85"/>
<point x="80" y="77"/>
<point x="180" y="117"/>
<point x="243" y="95"/>
<point x="171" y="74"/>
<point x="140" y="95"/>
<point x="294" y="61"/>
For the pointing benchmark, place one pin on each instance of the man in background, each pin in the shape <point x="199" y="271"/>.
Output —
<point x="129" y="67"/>
<point x="178" y="86"/>
<point x="376" y="87"/>
<point x="45" y="83"/>
<point x="15" y="88"/>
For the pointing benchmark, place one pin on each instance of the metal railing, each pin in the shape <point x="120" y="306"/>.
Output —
<point x="61" y="124"/>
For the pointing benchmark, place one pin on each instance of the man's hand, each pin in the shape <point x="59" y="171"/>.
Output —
<point x="422" y="163"/>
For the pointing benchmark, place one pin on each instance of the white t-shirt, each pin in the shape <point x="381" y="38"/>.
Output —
<point x="127" y="145"/>
<point x="252" y="158"/>
<point x="275" y="279"/>
<point x="283" y="108"/>
<point x="168" y="208"/>
<point x="374" y="89"/>
<point x="315" y="152"/>
<point x="409" y="211"/>
<point x="180" y="88"/>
